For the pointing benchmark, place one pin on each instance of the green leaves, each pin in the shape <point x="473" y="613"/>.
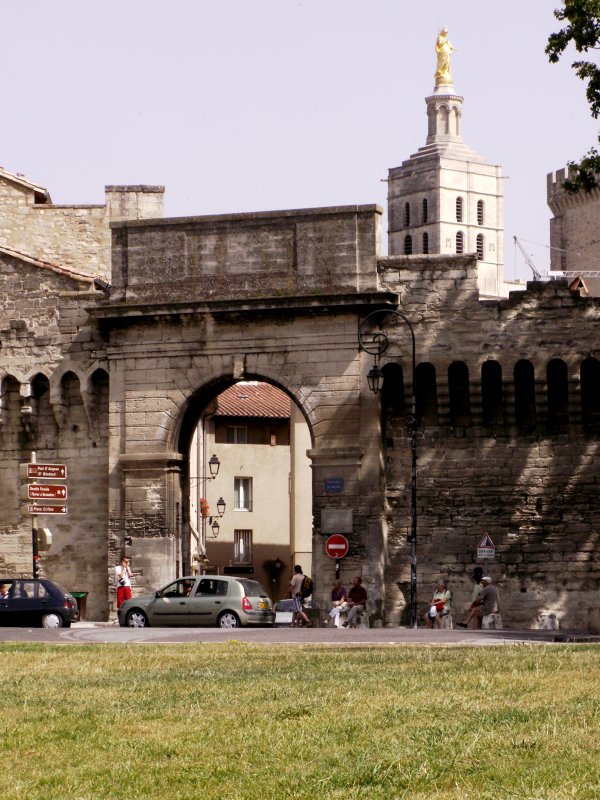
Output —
<point x="583" y="31"/>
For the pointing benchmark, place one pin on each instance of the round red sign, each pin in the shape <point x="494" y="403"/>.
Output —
<point x="336" y="546"/>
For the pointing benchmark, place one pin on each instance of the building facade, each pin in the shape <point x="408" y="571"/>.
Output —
<point x="260" y="439"/>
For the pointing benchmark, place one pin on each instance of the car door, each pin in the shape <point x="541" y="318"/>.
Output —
<point x="171" y="606"/>
<point x="208" y="601"/>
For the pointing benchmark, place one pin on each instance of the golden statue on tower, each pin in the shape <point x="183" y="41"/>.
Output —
<point x="443" y="49"/>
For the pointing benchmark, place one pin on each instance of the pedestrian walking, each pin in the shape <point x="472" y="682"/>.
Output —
<point x="298" y="598"/>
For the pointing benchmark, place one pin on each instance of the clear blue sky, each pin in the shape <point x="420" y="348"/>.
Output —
<point x="247" y="105"/>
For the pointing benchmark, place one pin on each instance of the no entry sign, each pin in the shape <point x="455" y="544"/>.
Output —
<point x="336" y="546"/>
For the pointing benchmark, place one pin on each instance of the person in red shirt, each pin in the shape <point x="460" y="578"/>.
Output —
<point x="123" y="577"/>
<point x="357" y="602"/>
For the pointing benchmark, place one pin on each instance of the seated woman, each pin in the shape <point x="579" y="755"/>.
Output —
<point x="338" y="599"/>
<point x="439" y="606"/>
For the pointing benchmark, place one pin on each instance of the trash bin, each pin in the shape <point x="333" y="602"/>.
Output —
<point x="81" y="599"/>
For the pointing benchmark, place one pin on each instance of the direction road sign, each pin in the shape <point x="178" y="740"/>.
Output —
<point x="46" y="491"/>
<point x="40" y="509"/>
<point x="52" y="471"/>
<point x="336" y="546"/>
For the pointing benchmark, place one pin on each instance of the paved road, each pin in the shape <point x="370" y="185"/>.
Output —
<point x="81" y="633"/>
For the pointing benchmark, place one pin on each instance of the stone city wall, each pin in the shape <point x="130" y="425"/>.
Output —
<point x="530" y="483"/>
<point x="54" y="402"/>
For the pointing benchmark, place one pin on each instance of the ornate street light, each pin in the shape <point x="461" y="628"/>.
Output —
<point x="376" y="343"/>
<point x="213" y="468"/>
<point x="214" y="521"/>
<point x="375" y="378"/>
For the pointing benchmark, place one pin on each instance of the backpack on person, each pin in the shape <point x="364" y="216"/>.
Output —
<point x="307" y="587"/>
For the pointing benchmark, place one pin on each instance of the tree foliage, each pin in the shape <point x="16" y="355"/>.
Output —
<point x="583" y="31"/>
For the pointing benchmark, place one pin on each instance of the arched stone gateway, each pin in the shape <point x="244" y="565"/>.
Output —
<point x="195" y="305"/>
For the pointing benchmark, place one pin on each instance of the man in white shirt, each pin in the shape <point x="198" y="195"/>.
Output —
<point x="296" y="593"/>
<point x="123" y="576"/>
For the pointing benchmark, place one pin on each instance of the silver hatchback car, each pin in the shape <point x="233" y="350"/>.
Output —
<point x="221" y="600"/>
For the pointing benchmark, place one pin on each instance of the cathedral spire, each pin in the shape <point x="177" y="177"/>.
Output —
<point x="446" y="199"/>
<point x="444" y="106"/>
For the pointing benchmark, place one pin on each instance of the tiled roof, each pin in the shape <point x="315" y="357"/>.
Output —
<point x="21" y="179"/>
<point x="68" y="272"/>
<point x="253" y="400"/>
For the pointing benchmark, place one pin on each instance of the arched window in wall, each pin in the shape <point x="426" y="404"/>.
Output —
<point x="557" y="382"/>
<point x="10" y="413"/>
<point x="456" y="121"/>
<point x="99" y="405"/>
<point x="444" y="119"/>
<point x="524" y="377"/>
<point x="459" y="209"/>
<point x="480" y="212"/>
<point x="73" y="412"/>
<point x="392" y="392"/>
<point x="459" y="394"/>
<point x="44" y="421"/>
<point x="424" y="211"/>
<point x="408" y="247"/>
<point x="460" y="242"/>
<point x="590" y="393"/>
<point x="406" y="215"/>
<point x="426" y="394"/>
<point x="492" y="405"/>
<point x="426" y="243"/>
<point x="480" y="247"/>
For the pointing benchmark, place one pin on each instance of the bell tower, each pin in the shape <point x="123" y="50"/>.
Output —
<point x="446" y="199"/>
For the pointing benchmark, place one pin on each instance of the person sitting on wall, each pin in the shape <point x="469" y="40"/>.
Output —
<point x="357" y="602"/>
<point x="439" y="606"/>
<point x="489" y="600"/>
<point x="338" y="599"/>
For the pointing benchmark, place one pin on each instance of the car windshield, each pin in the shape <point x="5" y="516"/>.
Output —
<point x="252" y="588"/>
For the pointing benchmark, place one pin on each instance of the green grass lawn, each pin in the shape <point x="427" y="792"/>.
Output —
<point x="241" y="722"/>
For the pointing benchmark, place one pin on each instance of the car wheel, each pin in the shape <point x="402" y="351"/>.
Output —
<point x="52" y="620"/>
<point x="228" y="620"/>
<point x="136" y="619"/>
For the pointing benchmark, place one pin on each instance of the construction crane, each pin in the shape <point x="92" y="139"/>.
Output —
<point x="528" y="261"/>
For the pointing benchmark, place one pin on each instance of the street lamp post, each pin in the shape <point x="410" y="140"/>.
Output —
<point x="213" y="521"/>
<point x="376" y="343"/>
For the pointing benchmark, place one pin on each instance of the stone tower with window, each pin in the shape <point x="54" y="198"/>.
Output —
<point x="447" y="199"/>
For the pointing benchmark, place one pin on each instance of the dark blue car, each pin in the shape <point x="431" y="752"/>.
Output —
<point x="32" y="602"/>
